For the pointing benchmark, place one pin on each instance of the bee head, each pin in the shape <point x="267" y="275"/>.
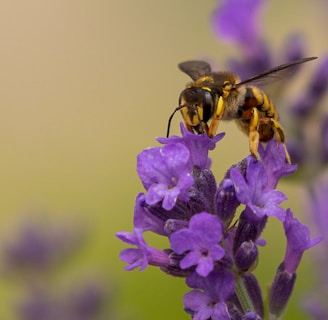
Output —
<point x="197" y="105"/>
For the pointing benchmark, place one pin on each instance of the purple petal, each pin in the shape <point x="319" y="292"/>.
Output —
<point x="197" y="301"/>
<point x="192" y="258"/>
<point x="205" y="266"/>
<point x="241" y="187"/>
<point x="182" y="240"/>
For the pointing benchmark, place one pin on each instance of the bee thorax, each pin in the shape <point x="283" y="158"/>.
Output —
<point x="233" y="102"/>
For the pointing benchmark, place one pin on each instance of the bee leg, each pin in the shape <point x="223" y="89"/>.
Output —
<point x="254" y="136"/>
<point x="216" y="118"/>
<point x="280" y="136"/>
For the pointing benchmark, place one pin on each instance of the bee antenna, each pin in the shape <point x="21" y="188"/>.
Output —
<point x="170" y="119"/>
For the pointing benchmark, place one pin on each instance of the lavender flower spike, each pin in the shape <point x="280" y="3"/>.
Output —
<point x="166" y="173"/>
<point x="143" y="254"/>
<point x="200" y="242"/>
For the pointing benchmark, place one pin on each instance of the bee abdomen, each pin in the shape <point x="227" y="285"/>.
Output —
<point x="256" y="98"/>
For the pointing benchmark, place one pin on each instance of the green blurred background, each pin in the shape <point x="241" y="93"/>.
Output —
<point x="85" y="86"/>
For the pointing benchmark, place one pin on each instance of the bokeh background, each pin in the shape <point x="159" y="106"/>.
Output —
<point x="85" y="86"/>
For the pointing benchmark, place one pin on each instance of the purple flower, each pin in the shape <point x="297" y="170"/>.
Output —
<point x="144" y="219"/>
<point x="200" y="242"/>
<point x="298" y="240"/>
<point x="253" y="191"/>
<point x="165" y="173"/>
<point x="143" y="254"/>
<point x="237" y="21"/>
<point x="208" y="301"/>
<point x="274" y="162"/>
<point x="197" y="144"/>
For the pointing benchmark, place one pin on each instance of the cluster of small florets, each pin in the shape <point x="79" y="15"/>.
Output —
<point x="214" y="229"/>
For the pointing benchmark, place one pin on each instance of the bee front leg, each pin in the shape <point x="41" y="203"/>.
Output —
<point x="254" y="136"/>
<point x="216" y="118"/>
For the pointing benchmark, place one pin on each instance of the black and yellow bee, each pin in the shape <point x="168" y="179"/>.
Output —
<point x="219" y="96"/>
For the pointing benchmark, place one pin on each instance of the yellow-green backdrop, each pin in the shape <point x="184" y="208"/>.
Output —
<point x="85" y="86"/>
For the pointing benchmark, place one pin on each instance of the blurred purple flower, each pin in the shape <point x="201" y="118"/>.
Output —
<point x="37" y="247"/>
<point x="237" y="21"/>
<point x="314" y="93"/>
<point x="254" y="192"/>
<point x="208" y="300"/>
<point x="294" y="47"/>
<point x="143" y="254"/>
<point x="316" y="310"/>
<point x="166" y="173"/>
<point x="39" y="305"/>
<point x="200" y="243"/>
<point x="85" y="302"/>
<point x="198" y="145"/>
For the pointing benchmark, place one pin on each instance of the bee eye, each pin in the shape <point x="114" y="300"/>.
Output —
<point x="208" y="100"/>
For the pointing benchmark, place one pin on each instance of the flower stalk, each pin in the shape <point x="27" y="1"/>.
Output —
<point x="242" y="294"/>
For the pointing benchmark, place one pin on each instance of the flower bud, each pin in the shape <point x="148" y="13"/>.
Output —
<point x="246" y="256"/>
<point x="281" y="290"/>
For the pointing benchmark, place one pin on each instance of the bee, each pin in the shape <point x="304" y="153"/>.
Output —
<point x="215" y="96"/>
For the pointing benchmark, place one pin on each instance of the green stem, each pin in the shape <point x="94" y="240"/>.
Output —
<point x="243" y="297"/>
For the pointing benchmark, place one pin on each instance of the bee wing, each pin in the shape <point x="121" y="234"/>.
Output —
<point x="195" y="69"/>
<point x="276" y="73"/>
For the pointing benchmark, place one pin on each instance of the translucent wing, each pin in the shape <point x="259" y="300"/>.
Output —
<point x="276" y="73"/>
<point x="195" y="69"/>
